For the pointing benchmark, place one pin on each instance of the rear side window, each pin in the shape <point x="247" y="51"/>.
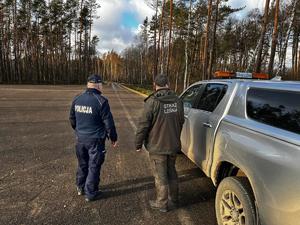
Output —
<point x="190" y="96"/>
<point x="279" y="109"/>
<point x="212" y="96"/>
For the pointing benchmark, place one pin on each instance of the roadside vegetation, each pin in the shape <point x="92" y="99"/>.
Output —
<point x="144" y="89"/>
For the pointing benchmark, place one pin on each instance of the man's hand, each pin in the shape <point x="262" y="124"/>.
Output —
<point x="114" y="144"/>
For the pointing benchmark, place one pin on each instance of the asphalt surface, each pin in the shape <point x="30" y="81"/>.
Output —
<point x="38" y="164"/>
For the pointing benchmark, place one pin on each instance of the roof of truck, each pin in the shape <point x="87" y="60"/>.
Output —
<point x="269" y="82"/>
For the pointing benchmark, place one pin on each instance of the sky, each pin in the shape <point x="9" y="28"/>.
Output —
<point x="119" y="20"/>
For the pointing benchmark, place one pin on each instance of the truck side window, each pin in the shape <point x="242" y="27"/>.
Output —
<point x="277" y="108"/>
<point x="212" y="96"/>
<point x="190" y="96"/>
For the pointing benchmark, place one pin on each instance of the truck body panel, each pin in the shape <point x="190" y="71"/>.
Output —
<point x="269" y="156"/>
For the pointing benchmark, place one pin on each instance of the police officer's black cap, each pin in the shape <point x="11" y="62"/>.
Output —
<point x="95" y="78"/>
<point x="161" y="80"/>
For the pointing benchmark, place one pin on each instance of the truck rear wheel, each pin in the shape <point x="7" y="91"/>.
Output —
<point x="235" y="203"/>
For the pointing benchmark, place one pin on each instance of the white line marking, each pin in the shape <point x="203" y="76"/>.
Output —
<point x="182" y="214"/>
<point x="134" y="127"/>
<point x="129" y="117"/>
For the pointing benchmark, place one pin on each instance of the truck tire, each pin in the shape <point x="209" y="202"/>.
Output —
<point x="235" y="202"/>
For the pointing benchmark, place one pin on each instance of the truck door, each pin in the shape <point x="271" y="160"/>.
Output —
<point x="189" y="99"/>
<point x="202" y="122"/>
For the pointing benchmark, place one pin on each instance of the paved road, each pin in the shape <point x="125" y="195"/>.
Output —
<point x="37" y="166"/>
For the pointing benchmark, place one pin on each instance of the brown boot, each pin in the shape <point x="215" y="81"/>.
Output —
<point x="156" y="206"/>
<point x="161" y="202"/>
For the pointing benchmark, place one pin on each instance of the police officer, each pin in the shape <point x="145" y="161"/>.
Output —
<point x="159" y="129"/>
<point x="93" y="122"/>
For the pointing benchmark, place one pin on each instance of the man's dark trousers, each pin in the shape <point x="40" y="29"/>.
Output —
<point x="90" y="155"/>
<point x="166" y="179"/>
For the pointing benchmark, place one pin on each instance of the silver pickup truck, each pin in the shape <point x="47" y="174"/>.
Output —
<point x="245" y="136"/>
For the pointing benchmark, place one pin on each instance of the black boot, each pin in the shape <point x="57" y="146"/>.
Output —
<point x="96" y="197"/>
<point x="80" y="191"/>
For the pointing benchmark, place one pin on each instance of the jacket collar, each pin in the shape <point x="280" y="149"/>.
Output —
<point x="93" y="90"/>
<point x="162" y="89"/>
<point x="158" y="93"/>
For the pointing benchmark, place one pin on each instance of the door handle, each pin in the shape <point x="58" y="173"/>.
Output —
<point x="207" y="125"/>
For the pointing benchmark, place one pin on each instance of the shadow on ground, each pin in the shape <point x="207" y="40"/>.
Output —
<point x="146" y="183"/>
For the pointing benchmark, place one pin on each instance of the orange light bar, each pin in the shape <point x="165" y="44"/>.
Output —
<point x="241" y="75"/>
<point x="224" y="74"/>
<point x="262" y="76"/>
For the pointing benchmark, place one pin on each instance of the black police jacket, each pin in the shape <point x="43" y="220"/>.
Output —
<point x="91" y="118"/>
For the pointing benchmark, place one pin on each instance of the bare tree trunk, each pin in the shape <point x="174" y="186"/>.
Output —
<point x="262" y="38"/>
<point x="274" y="38"/>
<point x="201" y="57"/>
<point x="298" y="67"/>
<point x="170" y="36"/>
<point x="213" y="45"/>
<point x="80" y="42"/>
<point x="206" y="43"/>
<point x="176" y="81"/>
<point x="156" y="45"/>
<point x="69" y="67"/>
<point x="90" y="35"/>
<point x="159" y="33"/>
<point x="295" y="51"/>
<point x="162" y="50"/>
<point x="283" y="57"/>
<point x="16" y="75"/>
<point x="186" y="49"/>
<point x="296" y="40"/>
<point x="193" y="60"/>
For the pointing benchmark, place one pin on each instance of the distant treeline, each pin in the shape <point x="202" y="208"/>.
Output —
<point x="47" y="41"/>
<point x="190" y="40"/>
<point x="50" y="42"/>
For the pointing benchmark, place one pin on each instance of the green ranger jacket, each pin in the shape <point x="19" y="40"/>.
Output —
<point x="160" y="125"/>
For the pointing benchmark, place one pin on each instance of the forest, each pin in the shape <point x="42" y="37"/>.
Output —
<point x="47" y="42"/>
<point x="51" y="42"/>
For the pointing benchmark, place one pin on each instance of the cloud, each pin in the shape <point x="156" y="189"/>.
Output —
<point x="119" y="22"/>
<point x="249" y="4"/>
<point x="142" y="9"/>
